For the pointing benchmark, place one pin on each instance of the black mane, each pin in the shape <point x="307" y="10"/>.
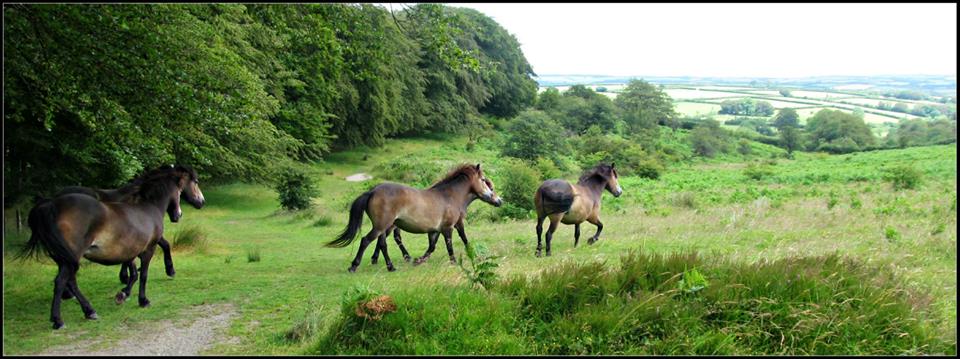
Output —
<point x="595" y="172"/>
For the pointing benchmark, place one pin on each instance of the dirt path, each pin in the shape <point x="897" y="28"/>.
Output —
<point x="357" y="177"/>
<point x="168" y="338"/>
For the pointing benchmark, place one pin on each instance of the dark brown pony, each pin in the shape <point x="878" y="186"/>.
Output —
<point x="77" y="225"/>
<point x="436" y="210"/>
<point x="574" y="203"/>
<point x="125" y="194"/>
<point x="449" y="243"/>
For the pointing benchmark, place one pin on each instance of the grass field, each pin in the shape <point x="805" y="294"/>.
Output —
<point x="681" y="94"/>
<point x="296" y="299"/>
<point x="696" y="108"/>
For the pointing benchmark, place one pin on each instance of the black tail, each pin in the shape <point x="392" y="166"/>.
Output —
<point x="356" y="219"/>
<point x="45" y="234"/>
<point x="555" y="201"/>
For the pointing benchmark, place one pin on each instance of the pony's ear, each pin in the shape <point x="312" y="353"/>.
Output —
<point x="478" y="167"/>
<point x="612" y="165"/>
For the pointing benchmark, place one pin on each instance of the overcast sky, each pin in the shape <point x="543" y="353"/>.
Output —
<point x="750" y="40"/>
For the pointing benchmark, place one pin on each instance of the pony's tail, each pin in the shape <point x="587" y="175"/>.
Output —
<point x="45" y="234"/>
<point x="356" y="219"/>
<point x="555" y="201"/>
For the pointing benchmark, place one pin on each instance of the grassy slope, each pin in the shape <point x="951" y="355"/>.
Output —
<point x="782" y="215"/>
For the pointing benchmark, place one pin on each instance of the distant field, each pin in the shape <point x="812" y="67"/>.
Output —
<point x="680" y="94"/>
<point x="853" y="87"/>
<point x="820" y="95"/>
<point x="766" y="92"/>
<point x="869" y="118"/>
<point x="696" y="108"/>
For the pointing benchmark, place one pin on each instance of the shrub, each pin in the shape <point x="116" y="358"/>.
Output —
<point x="191" y="236"/>
<point x="411" y="171"/>
<point x="903" y="177"/>
<point x="743" y="147"/>
<point x="253" y="255"/>
<point x="482" y="266"/>
<point x="685" y="199"/>
<point x="516" y="184"/>
<point x="295" y="189"/>
<point x="533" y="134"/>
<point x="757" y="172"/>
<point x="323" y="221"/>
<point x="891" y="234"/>
<point x="548" y="170"/>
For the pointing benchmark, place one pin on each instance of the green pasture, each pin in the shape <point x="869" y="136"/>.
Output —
<point x="296" y="299"/>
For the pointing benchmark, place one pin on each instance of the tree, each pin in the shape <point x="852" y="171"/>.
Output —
<point x="645" y="106"/>
<point x="786" y="117"/>
<point x="708" y="139"/>
<point x="790" y="139"/>
<point x="785" y="93"/>
<point x="533" y="134"/>
<point x="548" y="100"/>
<point x="830" y="126"/>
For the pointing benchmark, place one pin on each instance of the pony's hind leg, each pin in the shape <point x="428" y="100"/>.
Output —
<point x="88" y="311"/>
<point x="540" y="218"/>
<point x="125" y="292"/>
<point x="382" y="244"/>
<point x="364" y="242"/>
<point x="576" y="235"/>
<point x="59" y="285"/>
<point x="554" y="222"/>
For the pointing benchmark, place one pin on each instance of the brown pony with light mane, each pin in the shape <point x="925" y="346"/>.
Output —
<point x="436" y="210"/>
<point x="574" y="203"/>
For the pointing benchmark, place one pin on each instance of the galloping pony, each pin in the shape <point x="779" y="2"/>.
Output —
<point x="436" y="210"/>
<point x="569" y="203"/>
<point x="76" y="225"/>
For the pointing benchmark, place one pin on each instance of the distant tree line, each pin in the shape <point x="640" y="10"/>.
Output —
<point x="96" y="93"/>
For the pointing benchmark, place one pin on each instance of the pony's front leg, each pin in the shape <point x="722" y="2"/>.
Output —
<point x="144" y="269"/>
<point x="462" y="233"/>
<point x="596" y="236"/>
<point x="167" y="257"/>
<point x="432" y="239"/>
<point x="396" y="238"/>
<point x="448" y="240"/>
<point x="125" y="292"/>
<point x="576" y="235"/>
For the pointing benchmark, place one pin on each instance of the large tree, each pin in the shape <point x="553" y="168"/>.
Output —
<point x="645" y="106"/>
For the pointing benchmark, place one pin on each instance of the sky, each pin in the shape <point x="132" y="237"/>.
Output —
<point x="732" y="40"/>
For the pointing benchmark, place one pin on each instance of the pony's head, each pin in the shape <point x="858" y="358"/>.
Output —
<point x="165" y="186"/>
<point x="609" y="175"/>
<point x="189" y="183"/>
<point x="483" y="188"/>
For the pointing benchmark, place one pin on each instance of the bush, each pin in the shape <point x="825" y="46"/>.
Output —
<point x="533" y="134"/>
<point x="519" y="183"/>
<point x="191" y="236"/>
<point x="903" y="177"/>
<point x="757" y="172"/>
<point x="253" y="255"/>
<point x="295" y="189"/>
<point x="548" y="170"/>
<point x="743" y="147"/>
<point x="410" y="171"/>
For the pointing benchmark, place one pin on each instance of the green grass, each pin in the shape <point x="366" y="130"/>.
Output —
<point x="291" y="301"/>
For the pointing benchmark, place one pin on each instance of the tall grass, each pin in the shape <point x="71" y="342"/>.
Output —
<point x="824" y="305"/>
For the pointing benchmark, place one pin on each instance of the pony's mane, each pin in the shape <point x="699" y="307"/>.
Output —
<point x="458" y="174"/>
<point x="154" y="184"/>
<point x="593" y="172"/>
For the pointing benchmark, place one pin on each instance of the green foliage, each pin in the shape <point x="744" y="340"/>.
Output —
<point x="757" y="172"/>
<point x="411" y="171"/>
<point x="190" y="237"/>
<point x="295" y="189"/>
<point x="903" y="177"/>
<point x="746" y="107"/>
<point x="517" y="182"/>
<point x="838" y="132"/>
<point x="595" y="147"/>
<point x="482" y="266"/>
<point x="580" y="108"/>
<point x="692" y="282"/>
<point x="253" y="255"/>
<point x="790" y="139"/>
<point x="708" y="139"/>
<point x="547" y="169"/>
<point x="533" y="134"/>
<point x="891" y="234"/>
<point x="786" y="117"/>
<point x="744" y="148"/>
<point x="644" y="106"/>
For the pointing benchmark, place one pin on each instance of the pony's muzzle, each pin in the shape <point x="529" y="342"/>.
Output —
<point x="619" y="192"/>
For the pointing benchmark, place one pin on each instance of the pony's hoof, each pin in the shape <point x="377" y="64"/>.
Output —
<point x="57" y="325"/>
<point x="548" y="253"/>
<point x="406" y="259"/>
<point x="419" y="261"/>
<point x="144" y="303"/>
<point x="373" y="261"/>
<point x="352" y="269"/>
<point x="171" y="273"/>
<point x="538" y="254"/>
<point x="93" y="316"/>
<point x="120" y="298"/>
<point x="391" y="269"/>
<point x="66" y="295"/>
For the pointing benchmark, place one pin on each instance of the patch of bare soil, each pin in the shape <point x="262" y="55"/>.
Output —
<point x="164" y="337"/>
